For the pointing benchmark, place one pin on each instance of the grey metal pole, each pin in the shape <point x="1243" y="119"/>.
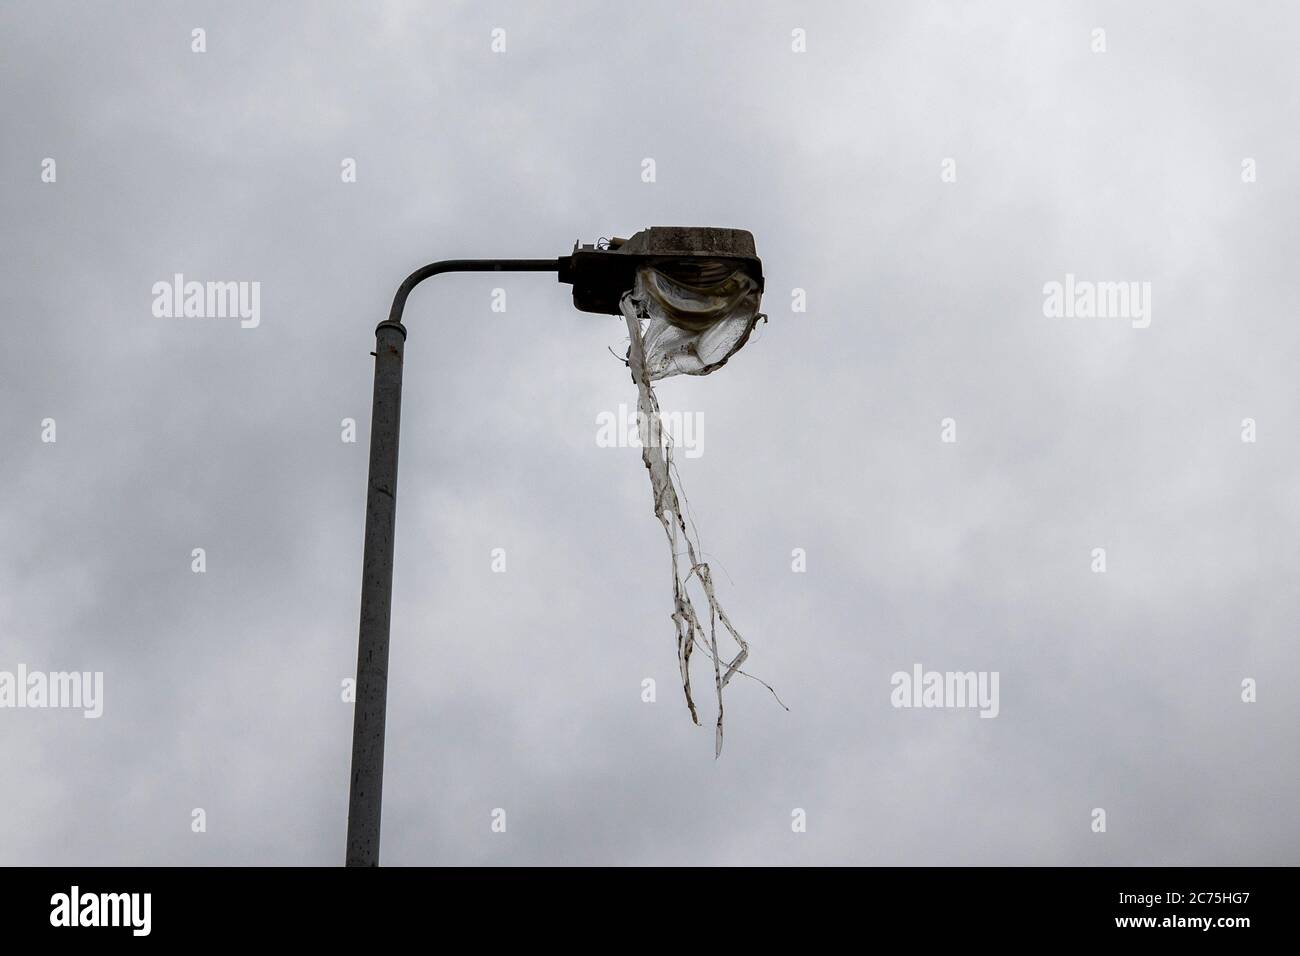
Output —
<point x="365" y="796"/>
<point x="366" y="793"/>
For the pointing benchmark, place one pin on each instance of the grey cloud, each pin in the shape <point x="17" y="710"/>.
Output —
<point x="522" y="690"/>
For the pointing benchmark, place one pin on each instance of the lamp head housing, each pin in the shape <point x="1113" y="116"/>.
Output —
<point x="602" y="272"/>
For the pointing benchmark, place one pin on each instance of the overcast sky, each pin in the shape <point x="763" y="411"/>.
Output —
<point x="523" y="690"/>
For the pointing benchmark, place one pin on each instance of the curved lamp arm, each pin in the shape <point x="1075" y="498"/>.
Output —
<point x="467" y="265"/>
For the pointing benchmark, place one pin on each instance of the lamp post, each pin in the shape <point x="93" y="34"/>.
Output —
<point x="599" y="274"/>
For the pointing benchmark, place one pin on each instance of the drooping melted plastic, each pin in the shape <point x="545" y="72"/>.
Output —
<point x="693" y="328"/>
<point x="699" y="316"/>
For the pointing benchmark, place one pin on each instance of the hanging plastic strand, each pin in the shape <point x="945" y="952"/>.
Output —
<point x="656" y="454"/>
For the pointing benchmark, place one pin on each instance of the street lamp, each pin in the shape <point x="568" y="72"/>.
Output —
<point x="600" y="274"/>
